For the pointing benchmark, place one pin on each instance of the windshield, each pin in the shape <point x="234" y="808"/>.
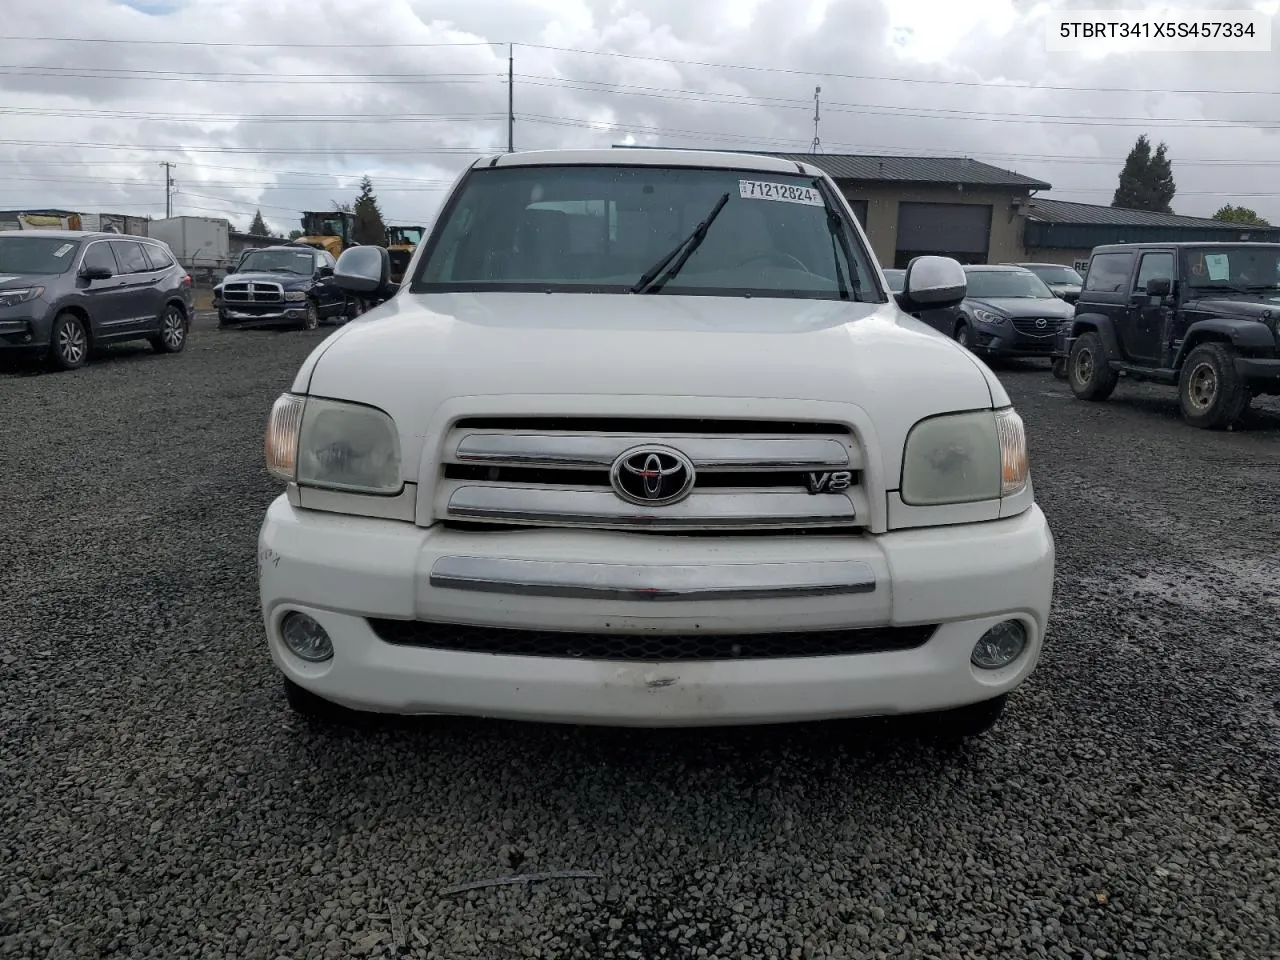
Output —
<point x="1238" y="267"/>
<point x="36" y="255"/>
<point x="324" y="226"/>
<point x="1012" y="284"/>
<point x="897" y="279"/>
<point x="278" y="261"/>
<point x="411" y="235"/>
<point x="599" y="229"/>
<point x="1057" y="275"/>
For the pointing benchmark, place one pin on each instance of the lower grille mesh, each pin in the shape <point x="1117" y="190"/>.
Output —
<point x="653" y="647"/>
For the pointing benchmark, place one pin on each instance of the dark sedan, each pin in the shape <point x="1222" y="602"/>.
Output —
<point x="1008" y="312"/>
<point x="1063" y="281"/>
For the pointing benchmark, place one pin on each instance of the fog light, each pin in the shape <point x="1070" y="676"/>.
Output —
<point x="1000" y="646"/>
<point x="305" y="638"/>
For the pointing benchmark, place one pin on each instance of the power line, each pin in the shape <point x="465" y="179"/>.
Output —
<point x="756" y="68"/>
<point x="268" y="46"/>
<point x="921" y="113"/>
<point x="253" y="79"/>
<point x="792" y="145"/>
<point x="266" y="151"/>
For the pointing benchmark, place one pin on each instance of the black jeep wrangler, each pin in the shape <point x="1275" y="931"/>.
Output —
<point x="1204" y="317"/>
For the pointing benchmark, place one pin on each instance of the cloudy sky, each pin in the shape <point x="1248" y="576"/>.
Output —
<point x="283" y="105"/>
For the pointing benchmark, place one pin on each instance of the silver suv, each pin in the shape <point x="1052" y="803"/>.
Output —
<point x="63" y="293"/>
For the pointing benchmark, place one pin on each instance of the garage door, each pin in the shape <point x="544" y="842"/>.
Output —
<point x="960" y="230"/>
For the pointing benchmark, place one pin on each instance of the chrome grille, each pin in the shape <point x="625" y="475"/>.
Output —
<point x="255" y="291"/>
<point x="750" y="476"/>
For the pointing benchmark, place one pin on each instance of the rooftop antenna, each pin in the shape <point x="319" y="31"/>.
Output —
<point x="816" y="146"/>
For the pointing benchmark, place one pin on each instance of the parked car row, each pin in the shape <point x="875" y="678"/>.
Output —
<point x="64" y="294"/>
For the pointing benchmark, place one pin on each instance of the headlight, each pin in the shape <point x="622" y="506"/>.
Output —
<point x="964" y="457"/>
<point x="296" y="295"/>
<point x="11" y="298"/>
<point x="986" y="316"/>
<point x="329" y="443"/>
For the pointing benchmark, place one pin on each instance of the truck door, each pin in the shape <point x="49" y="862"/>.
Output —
<point x="1142" y="333"/>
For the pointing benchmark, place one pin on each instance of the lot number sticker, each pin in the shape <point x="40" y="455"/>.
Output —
<point x="788" y="192"/>
<point x="63" y="250"/>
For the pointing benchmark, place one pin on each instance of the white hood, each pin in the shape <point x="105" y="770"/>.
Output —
<point x="414" y="354"/>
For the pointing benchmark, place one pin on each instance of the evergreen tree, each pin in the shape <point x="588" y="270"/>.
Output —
<point x="1146" y="182"/>
<point x="259" y="226"/>
<point x="369" y="226"/>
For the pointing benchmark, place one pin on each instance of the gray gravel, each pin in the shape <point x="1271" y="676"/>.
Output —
<point x="156" y="799"/>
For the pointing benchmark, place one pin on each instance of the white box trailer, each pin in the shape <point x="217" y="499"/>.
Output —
<point x="116" y="223"/>
<point x="197" y="242"/>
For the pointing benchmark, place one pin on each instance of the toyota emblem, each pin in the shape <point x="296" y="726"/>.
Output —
<point x="652" y="476"/>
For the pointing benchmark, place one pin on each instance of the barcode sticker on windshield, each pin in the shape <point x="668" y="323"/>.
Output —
<point x="63" y="250"/>
<point x="789" y="192"/>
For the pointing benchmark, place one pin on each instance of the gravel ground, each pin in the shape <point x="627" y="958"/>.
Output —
<point x="157" y="800"/>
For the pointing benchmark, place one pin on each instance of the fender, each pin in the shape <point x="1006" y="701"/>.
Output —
<point x="1245" y="335"/>
<point x="1105" y="329"/>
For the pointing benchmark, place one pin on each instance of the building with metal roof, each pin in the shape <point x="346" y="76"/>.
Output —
<point x="1061" y="231"/>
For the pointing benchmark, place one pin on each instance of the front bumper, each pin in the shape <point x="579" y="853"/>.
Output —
<point x="1256" y="369"/>
<point x="1009" y="342"/>
<point x="285" y="314"/>
<point x="22" y="334"/>
<point x="345" y="571"/>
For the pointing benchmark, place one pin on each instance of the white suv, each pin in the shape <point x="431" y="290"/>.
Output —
<point x="643" y="439"/>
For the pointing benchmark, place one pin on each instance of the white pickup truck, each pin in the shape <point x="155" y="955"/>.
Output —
<point x="644" y="439"/>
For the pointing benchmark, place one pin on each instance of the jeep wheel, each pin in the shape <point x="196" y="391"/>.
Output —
<point x="312" y="319"/>
<point x="1090" y="376"/>
<point x="1059" y="369"/>
<point x="1211" y="393"/>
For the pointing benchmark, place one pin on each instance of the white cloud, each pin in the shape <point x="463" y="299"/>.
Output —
<point x="900" y="77"/>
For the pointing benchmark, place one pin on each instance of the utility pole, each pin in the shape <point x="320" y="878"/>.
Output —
<point x="168" y="188"/>
<point x="816" y="146"/>
<point x="511" y="98"/>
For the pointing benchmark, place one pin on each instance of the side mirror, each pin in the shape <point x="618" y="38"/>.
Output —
<point x="96" y="273"/>
<point x="1160" y="287"/>
<point x="933" y="283"/>
<point x="363" y="270"/>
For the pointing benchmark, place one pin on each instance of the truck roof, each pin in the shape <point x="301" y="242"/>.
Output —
<point x="1180" y="245"/>
<point x="75" y="234"/>
<point x="649" y="158"/>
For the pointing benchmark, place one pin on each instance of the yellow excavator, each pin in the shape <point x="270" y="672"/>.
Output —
<point x="401" y="242"/>
<point x="328" y="230"/>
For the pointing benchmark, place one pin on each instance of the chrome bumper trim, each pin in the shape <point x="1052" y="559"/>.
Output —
<point x="616" y="581"/>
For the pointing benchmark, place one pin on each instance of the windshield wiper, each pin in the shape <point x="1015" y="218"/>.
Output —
<point x="838" y="241"/>
<point x="688" y="245"/>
